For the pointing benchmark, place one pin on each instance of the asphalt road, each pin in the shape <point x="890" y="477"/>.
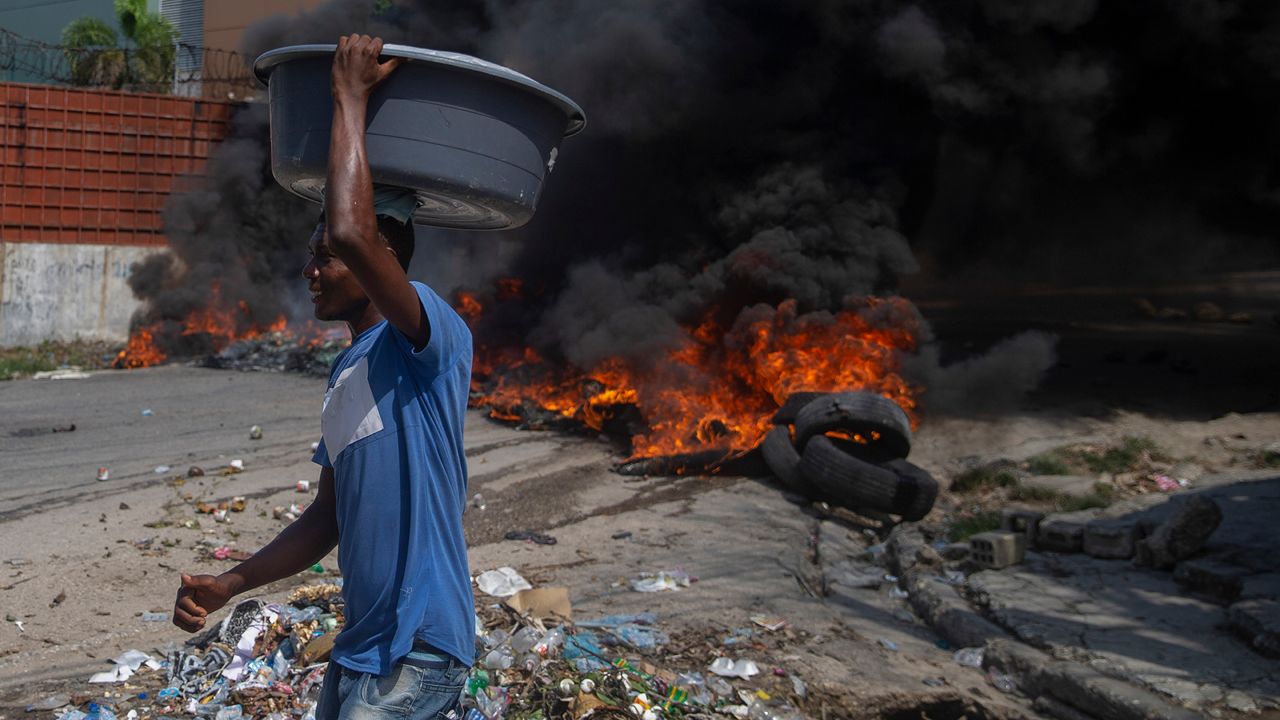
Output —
<point x="200" y="417"/>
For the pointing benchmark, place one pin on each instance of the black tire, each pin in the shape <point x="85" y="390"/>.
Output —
<point x="898" y="488"/>
<point x="862" y="413"/>
<point x="783" y="460"/>
<point x="926" y="489"/>
<point x="786" y="415"/>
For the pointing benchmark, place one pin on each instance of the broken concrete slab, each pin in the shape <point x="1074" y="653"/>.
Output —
<point x="1080" y="686"/>
<point x="1111" y="539"/>
<point x="1258" y="623"/>
<point x="1064" y="532"/>
<point x="1211" y="576"/>
<point x="1124" y="621"/>
<point x="1183" y="534"/>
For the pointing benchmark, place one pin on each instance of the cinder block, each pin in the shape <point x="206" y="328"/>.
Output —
<point x="997" y="549"/>
<point x="1026" y="522"/>
<point x="1111" y="539"/>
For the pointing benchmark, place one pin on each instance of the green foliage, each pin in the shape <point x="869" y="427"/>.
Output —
<point x="22" y="361"/>
<point x="96" y="58"/>
<point x="1122" y="458"/>
<point x="17" y="366"/>
<point x="983" y="477"/>
<point x="964" y="527"/>
<point x="1050" y="463"/>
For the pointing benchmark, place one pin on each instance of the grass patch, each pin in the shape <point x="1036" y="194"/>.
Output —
<point x="22" y="361"/>
<point x="981" y="522"/>
<point x="1122" y="458"/>
<point x="1050" y="463"/>
<point x="1267" y="459"/>
<point x="1127" y="456"/>
<point x="983" y="477"/>
<point x="17" y="366"/>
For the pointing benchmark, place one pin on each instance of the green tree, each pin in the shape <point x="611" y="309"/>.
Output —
<point x="145" y="60"/>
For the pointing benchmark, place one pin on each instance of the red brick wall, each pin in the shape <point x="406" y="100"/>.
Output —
<point x="94" y="166"/>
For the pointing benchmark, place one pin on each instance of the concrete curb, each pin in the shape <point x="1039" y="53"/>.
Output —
<point x="1080" y="688"/>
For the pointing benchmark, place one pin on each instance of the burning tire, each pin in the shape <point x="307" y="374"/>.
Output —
<point x="786" y="415"/>
<point x="781" y="457"/>
<point x="897" y="487"/>
<point x="881" y="427"/>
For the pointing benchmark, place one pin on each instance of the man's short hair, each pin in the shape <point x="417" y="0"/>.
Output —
<point x="399" y="237"/>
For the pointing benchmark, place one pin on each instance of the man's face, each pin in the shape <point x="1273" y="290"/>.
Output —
<point x="334" y="289"/>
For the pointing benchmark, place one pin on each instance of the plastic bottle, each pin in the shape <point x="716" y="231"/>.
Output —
<point x="524" y="640"/>
<point x="549" y="645"/>
<point x="499" y="658"/>
<point x="477" y="682"/>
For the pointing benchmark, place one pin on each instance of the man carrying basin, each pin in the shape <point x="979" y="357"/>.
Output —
<point x="393" y="480"/>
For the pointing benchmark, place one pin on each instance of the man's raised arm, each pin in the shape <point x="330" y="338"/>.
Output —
<point x="350" y="220"/>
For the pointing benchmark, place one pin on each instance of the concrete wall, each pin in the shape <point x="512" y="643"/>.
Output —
<point x="63" y="291"/>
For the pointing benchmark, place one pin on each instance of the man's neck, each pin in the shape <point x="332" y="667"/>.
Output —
<point x="368" y="319"/>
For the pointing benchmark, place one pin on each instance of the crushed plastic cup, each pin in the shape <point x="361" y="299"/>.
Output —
<point x="220" y="515"/>
<point x="662" y="581"/>
<point x="236" y="465"/>
<point x="740" y="668"/>
<point x="503" y="582"/>
<point x="104" y="474"/>
<point x="969" y="657"/>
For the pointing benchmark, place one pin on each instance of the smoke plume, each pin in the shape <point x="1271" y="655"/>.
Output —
<point x="748" y="152"/>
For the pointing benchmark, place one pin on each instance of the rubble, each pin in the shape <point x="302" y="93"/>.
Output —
<point x="1184" y="533"/>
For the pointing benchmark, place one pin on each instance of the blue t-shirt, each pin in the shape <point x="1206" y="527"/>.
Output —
<point x="392" y="425"/>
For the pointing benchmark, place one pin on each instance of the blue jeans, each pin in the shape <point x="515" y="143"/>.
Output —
<point x="414" y="690"/>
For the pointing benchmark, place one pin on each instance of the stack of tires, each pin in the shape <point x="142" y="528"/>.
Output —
<point x="849" y="449"/>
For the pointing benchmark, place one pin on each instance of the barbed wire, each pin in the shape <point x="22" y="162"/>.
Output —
<point x="197" y="70"/>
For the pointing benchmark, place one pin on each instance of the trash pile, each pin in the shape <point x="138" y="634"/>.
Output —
<point x="533" y="660"/>
<point x="279" y="352"/>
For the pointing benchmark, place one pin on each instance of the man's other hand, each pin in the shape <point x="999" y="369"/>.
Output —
<point x="356" y="70"/>
<point x="199" y="596"/>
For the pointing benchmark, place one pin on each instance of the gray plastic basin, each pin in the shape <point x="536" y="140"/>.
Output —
<point x="474" y="140"/>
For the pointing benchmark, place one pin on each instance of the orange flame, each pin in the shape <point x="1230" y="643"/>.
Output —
<point x="222" y="326"/>
<point x="719" y="388"/>
<point x="141" y="351"/>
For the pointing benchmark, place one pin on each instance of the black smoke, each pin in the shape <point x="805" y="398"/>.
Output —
<point x="741" y="152"/>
